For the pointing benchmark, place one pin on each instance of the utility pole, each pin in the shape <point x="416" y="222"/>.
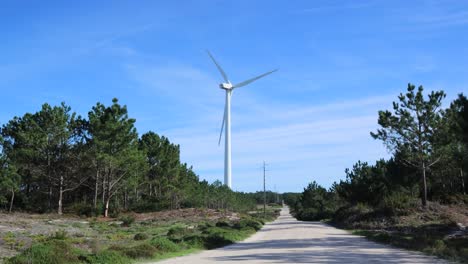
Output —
<point x="276" y="196"/>
<point x="264" y="190"/>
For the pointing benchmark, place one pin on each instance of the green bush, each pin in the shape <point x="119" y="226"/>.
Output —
<point x="135" y="252"/>
<point x="85" y="209"/>
<point x="248" y="223"/>
<point x="398" y="203"/>
<point x="140" y="236"/>
<point x="196" y="241"/>
<point x="164" y="244"/>
<point x="204" y="226"/>
<point x="127" y="220"/>
<point x="248" y="230"/>
<point x="108" y="256"/>
<point x="216" y="240"/>
<point x="60" y="235"/>
<point x="222" y="224"/>
<point x="221" y="236"/>
<point x="50" y="252"/>
<point x="177" y="233"/>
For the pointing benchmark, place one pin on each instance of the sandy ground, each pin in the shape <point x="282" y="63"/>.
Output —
<point x="287" y="240"/>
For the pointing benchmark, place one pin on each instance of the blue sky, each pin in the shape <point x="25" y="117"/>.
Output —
<point x="340" y="62"/>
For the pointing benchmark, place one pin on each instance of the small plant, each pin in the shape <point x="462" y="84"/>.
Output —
<point x="60" y="235"/>
<point x="127" y="220"/>
<point x="10" y="240"/>
<point x="140" y="236"/>
<point x="95" y="246"/>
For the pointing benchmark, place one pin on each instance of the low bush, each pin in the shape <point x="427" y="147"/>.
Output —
<point x="222" y="224"/>
<point x="220" y="236"/>
<point x="248" y="223"/>
<point x="177" y="233"/>
<point x="127" y="220"/>
<point x="216" y="240"/>
<point x="60" y="235"/>
<point x="398" y="203"/>
<point x="135" y="252"/>
<point x="196" y="241"/>
<point x="50" y="252"/>
<point x="164" y="244"/>
<point x="108" y="256"/>
<point x="85" y="209"/>
<point x="140" y="236"/>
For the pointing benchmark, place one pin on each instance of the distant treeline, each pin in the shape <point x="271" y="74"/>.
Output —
<point x="429" y="162"/>
<point x="56" y="160"/>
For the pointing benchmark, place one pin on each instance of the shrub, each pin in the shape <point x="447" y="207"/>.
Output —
<point x="216" y="240"/>
<point x="248" y="230"/>
<point x="248" y="223"/>
<point x="138" y="251"/>
<point x="85" y="209"/>
<point x="108" y="256"/>
<point x="218" y="237"/>
<point x="50" y="252"/>
<point x="205" y="226"/>
<point x="177" y="233"/>
<point x="398" y="203"/>
<point x="140" y="236"/>
<point x="95" y="246"/>
<point x="222" y="224"/>
<point x="164" y="244"/>
<point x="60" y="235"/>
<point x="196" y="241"/>
<point x="127" y="220"/>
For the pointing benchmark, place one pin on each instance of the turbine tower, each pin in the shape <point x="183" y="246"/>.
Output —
<point x="226" y="85"/>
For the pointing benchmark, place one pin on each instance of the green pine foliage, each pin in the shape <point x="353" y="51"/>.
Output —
<point x="55" y="160"/>
<point x="416" y="198"/>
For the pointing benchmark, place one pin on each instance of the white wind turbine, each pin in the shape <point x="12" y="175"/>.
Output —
<point x="226" y="85"/>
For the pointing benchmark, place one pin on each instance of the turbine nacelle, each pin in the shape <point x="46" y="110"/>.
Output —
<point x="226" y="86"/>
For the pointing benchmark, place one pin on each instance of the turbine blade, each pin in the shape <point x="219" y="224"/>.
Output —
<point x="219" y="67"/>
<point x="222" y="127"/>
<point x="244" y="83"/>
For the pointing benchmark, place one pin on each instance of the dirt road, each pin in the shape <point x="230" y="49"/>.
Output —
<point x="290" y="241"/>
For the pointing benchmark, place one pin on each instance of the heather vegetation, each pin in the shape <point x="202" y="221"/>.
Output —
<point x="416" y="199"/>
<point x="148" y="236"/>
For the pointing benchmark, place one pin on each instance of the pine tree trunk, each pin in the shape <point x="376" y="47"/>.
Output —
<point x="60" y="196"/>
<point x="125" y="199"/>
<point x="49" y="205"/>
<point x="106" y="211"/>
<point x="11" y="200"/>
<point x="103" y="188"/>
<point x="424" y="185"/>
<point x="96" y="185"/>
<point x="462" y="181"/>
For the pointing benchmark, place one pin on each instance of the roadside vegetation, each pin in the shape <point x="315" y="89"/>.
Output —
<point x="131" y="237"/>
<point x="417" y="198"/>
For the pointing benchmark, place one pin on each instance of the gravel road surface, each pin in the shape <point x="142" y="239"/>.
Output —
<point x="287" y="240"/>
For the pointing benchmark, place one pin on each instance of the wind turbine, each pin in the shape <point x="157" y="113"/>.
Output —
<point x="229" y="87"/>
